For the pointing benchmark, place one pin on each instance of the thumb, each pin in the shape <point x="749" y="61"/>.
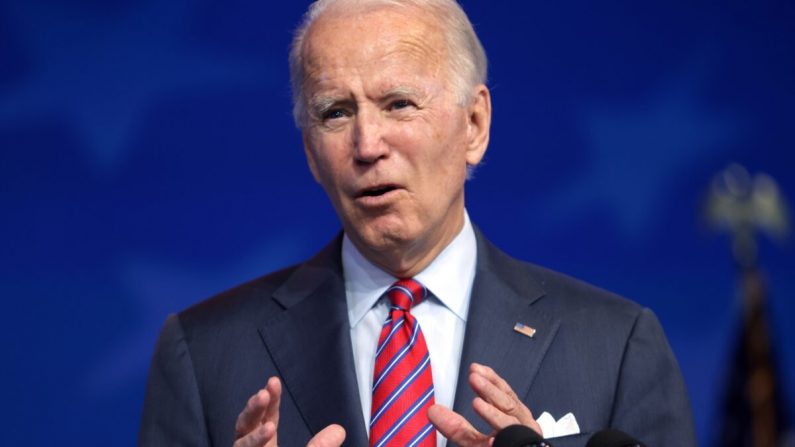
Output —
<point x="455" y="427"/>
<point x="331" y="436"/>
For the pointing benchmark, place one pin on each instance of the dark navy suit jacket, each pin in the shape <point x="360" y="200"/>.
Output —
<point x="594" y="354"/>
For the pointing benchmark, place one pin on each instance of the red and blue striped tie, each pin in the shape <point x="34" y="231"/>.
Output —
<point x="402" y="380"/>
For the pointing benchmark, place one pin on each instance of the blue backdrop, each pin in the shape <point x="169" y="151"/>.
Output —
<point x="148" y="160"/>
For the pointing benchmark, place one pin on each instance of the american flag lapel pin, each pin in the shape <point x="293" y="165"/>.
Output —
<point x="524" y="330"/>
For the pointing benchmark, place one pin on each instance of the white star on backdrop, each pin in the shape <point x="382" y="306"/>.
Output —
<point x="98" y="71"/>
<point x="638" y="150"/>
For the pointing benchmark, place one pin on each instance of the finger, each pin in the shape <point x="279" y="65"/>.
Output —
<point x="489" y="392"/>
<point x="257" y="437"/>
<point x="493" y="416"/>
<point x="488" y="385"/>
<point x="499" y="420"/>
<point x="331" y="436"/>
<point x="274" y="388"/>
<point x="489" y="374"/>
<point x="455" y="428"/>
<point x="251" y="416"/>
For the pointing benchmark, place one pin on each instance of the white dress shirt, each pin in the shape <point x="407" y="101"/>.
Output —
<point x="442" y="316"/>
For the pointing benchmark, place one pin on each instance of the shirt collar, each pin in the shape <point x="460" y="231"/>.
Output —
<point x="448" y="277"/>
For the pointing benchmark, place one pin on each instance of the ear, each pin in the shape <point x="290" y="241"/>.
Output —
<point x="310" y="157"/>
<point x="478" y="124"/>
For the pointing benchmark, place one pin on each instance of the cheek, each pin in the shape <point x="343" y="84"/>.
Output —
<point x="450" y="161"/>
<point x="434" y="135"/>
<point x="328" y="158"/>
<point x="449" y="146"/>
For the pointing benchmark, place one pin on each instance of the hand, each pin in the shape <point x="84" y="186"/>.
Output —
<point x="257" y="423"/>
<point x="496" y="403"/>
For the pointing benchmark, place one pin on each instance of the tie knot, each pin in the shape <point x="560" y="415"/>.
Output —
<point x="406" y="293"/>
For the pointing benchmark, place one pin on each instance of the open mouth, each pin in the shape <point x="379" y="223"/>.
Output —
<point x="377" y="191"/>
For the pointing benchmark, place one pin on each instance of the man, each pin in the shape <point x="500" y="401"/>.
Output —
<point x="394" y="113"/>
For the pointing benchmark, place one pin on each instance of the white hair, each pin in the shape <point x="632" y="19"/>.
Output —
<point x="466" y="57"/>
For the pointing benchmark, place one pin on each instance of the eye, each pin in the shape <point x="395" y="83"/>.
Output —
<point x="400" y="104"/>
<point x="333" y="114"/>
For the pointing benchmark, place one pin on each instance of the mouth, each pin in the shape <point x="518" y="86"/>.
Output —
<point x="377" y="191"/>
<point x="378" y="195"/>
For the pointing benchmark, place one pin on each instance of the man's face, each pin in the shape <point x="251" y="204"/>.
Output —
<point x="385" y="135"/>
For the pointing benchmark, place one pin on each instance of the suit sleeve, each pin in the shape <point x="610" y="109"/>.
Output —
<point x="651" y="398"/>
<point x="172" y="414"/>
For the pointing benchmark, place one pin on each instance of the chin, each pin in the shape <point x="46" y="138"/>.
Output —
<point x="385" y="238"/>
<point x="384" y="234"/>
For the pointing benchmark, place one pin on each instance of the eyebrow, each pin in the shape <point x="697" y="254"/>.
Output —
<point x="400" y="91"/>
<point x="321" y="104"/>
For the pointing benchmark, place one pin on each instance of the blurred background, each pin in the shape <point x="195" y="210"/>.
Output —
<point x="148" y="160"/>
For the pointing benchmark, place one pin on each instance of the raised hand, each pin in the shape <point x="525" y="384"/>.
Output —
<point x="495" y="402"/>
<point x="257" y="424"/>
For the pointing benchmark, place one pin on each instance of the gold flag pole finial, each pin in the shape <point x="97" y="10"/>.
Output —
<point x="743" y="205"/>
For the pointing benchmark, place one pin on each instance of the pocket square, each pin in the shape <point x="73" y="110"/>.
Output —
<point x="565" y="426"/>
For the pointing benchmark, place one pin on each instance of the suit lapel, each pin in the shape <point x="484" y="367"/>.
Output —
<point x="496" y="305"/>
<point x="311" y="347"/>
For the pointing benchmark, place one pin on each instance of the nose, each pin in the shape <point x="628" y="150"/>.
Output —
<point x="368" y="138"/>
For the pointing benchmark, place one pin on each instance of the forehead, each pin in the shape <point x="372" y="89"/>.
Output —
<point x="372" y="43"/>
